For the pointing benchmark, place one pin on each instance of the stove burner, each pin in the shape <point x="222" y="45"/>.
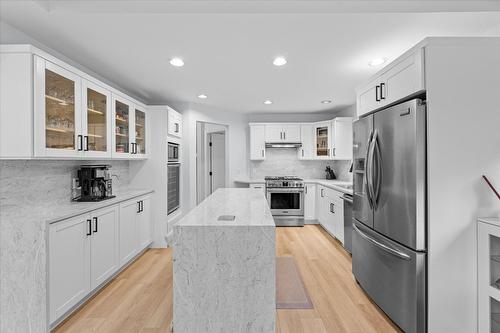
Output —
<point x="283" y="181"/>
<point x="282" y="178"/>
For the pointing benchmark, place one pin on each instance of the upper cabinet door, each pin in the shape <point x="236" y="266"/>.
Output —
<point x="123" y="128"/>
<point x="96" y="120"/>
<point x="405" y="78"/>
<point x="342" y="138"/>
<point x="174" y="123"/>
<point x="141" y="141"/>
<point x="57" y="111"/>
<point x="306" y="137"/>
<point x="291" y="133"/>
<point x="322" y="140"/>
<point x="257" y="142"/>
<point x="274" y="133"/>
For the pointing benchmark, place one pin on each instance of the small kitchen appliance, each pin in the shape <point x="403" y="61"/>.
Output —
<point x="285" y="195"/>
<point x="95" y="182"/>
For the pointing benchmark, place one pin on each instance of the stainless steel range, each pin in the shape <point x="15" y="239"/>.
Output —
<point x="285" y="195"/>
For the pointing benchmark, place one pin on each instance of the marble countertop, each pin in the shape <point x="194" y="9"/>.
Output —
<point x="52" y="213"/>
<point x="490" y="220"/>
<point x="248" y="205"/>
<point x="333" y="183"/>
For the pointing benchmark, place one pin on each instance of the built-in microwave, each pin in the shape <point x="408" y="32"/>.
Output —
<point x="173" y="152"/>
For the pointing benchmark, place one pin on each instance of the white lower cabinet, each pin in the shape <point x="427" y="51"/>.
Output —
<point x="310" y="201"/>
<point x="260" y="186"/>
<point x="85" y="251"/>
<point x="330" y="211"/>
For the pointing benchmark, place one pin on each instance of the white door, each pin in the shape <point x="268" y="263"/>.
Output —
<point x="342" y="139"/>
<point x="291" y="133"/>
<point x="122" y="127"/>
<point x="217" y="160"/>
<point x="369" y="97"/>
<point x="140" y="147"/>
<point x="57" y="111"/>
<point x="274" y="133"/>
<point x="306" y="137"/>
<point x="310" y="202"/>
<point x="69" y="264"/>
<point x="257" y="142"/>
<point x="96" y="120"/>
<point x="404" y="78"/>
<point x="144" y="222"/>
<point x="322" y="140"/>
<point x="128" y="239"/>
<point x="321" y="205"/>
<point x="104" y="245"/>
<point x="174" y="123"/>
<point x="338" y="212"/>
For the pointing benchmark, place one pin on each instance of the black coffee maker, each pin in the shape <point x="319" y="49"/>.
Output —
<point x="95" y="182"/>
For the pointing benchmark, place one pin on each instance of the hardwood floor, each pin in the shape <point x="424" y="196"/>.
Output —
<point x="140" y="298"/>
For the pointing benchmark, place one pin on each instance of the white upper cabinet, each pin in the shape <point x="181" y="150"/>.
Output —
<point x="57" y="111"/>
<point x="322" y="133"/>
<point x="282" y="133"/>
<point x="64" y="112"/>
<point x="257" y="142"/>
<point x="399" y="80"/>
<point x="342" y="138"/>
<point x="306" y="138"/>
<point x="174" y="123"/>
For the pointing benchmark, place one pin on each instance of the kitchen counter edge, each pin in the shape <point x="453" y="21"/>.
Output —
<point x="330" y="183"/>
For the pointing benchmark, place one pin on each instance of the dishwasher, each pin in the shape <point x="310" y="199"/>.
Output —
<point x="347" y="222"/>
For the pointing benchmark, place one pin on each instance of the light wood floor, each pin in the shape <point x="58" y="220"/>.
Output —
<point x="140" y="298"/>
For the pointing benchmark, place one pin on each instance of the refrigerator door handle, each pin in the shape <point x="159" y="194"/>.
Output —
<point x="367" y="172"/>
<point x="369" y="176"/>
<point x="378" y="155"/>
<point x="384" y="247"/>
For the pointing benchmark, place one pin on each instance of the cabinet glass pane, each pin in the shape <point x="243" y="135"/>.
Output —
<point x="495" y="261"/>
<point x="96" y="120"/>
<point x="140" y="131"/>
<point x="122" y="127"/>
<point x="495" y="315"/>
<point x="59" y="111"/>
<point x="322" y="141"/>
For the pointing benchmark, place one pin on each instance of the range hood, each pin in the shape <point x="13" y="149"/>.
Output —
<point x="283" y="144"/>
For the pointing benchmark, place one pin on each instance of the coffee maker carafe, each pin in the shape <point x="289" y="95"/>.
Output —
<point x="95" y="182"/>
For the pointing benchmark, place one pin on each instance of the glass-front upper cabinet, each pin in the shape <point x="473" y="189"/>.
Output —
<point x="140" y="132"/>
<point x="96" y="120"/>
<point x="123" y="127"/>
<point x="57" y="111"/>
<point x="322" y="140"/>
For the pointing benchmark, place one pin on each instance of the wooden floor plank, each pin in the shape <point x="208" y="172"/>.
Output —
<point x="139" y="299"/>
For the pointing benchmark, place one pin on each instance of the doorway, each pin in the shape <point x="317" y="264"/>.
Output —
<point x="211" y="158"/>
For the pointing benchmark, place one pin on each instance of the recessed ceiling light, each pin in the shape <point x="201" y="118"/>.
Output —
<point x="279" y="61"/>
<point x="203" y="96"/>
<point x="177" y="62"/>
<point x="267" y="102"/>
<point x="377" y="62"/>
<point x="326" y="101"/>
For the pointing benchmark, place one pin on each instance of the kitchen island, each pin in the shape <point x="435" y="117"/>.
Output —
<point x="224" y="269"/>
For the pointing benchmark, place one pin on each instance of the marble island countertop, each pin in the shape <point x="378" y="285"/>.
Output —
<point x="249" y="206"/>
<point x="54" y="212"/>
<point x="330" y="183"/>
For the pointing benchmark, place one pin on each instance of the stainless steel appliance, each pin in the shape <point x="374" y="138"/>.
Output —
<point x="173" y="152"/>
<point x="347" y="222"/>
<point x="95" y="183"/>
<point x="286" y="199"/>
<point x="389" y="211"/>
<point x="173" y="186"/>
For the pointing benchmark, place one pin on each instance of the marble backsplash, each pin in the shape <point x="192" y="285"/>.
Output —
<point x="32" y="181"/>
<point x="284" y="162"/>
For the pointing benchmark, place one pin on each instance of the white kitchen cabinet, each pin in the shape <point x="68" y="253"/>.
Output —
<point x="342" y="138"/>
<point x="174" y="122"/>
<point x="69" y="264"/>
<point x="310" y="202"/>
<point x="141" y="139"/>
<point x="322" y="133"/>
<point x="260" y="186"/>
<point x="306" y="138"/>
<point x="128" y="240"/>
<point x="282" y="133"/>
<point x="103" y="245"/>
<point x="57" y="111"/>
<point x="144" y="222"/>
<point x="96" y="120"/>
<point x="257" y="142"/>
<point x="395" y="82"/>
<point x="330" y="211"/>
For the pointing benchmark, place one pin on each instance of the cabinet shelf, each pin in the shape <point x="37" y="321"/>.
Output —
<point x="59" y="100"/>
<point x="122" y="120"/>
<point x="95" y="111"/>
<point x="122" y="135"/>
<point x="59" y="130"/>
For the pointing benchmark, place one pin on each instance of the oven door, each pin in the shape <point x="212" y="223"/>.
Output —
<point x="286" y="201"/>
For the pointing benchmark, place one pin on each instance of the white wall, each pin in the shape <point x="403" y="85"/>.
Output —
<point x="237" y="138"/>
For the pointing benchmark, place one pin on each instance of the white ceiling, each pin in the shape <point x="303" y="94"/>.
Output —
<point x="228" y="46"/>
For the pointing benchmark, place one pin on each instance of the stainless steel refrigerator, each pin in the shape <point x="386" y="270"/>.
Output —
<point x="389" y="211"/>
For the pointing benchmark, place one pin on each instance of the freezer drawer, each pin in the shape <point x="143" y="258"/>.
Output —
<point x="392" y="275"/>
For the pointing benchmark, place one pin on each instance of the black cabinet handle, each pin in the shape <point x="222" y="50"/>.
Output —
<point x="86" y="140"/>
<point x="141" y="206"/>
<point x="302" y="152"/>
<point x="322" y="193"/>
<point x="284" y="135"/>
<point x="138" y="206"/>
<point x="376" y="94"/>
<point x="80" y="143"/>
<point x="333" y="208"/>
<point x="95" y="223"/>
<point x="262" y="152"/>
<point x="382" y="90"/>
<point x="176" y="128"/>
<point x="89" y="227"/>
